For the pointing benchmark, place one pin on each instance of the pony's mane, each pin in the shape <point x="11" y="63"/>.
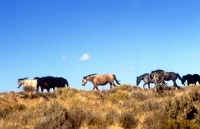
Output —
<point x="22" y="79"/>
<point x="89" y="75"/>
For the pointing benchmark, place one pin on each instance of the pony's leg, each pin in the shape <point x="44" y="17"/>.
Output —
<point x="95" y="87"/>
<point x="112" y="84"/>
<point x="188" y="83"/>
<point x="144" y="85"/>
<point x="42" y="89"/>
<point x="175" y="84"/>
<point x="149" y="86"/>
<point x="37" y="89"/>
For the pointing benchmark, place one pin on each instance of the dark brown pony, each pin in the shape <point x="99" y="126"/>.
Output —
<point x="100" y="80"/>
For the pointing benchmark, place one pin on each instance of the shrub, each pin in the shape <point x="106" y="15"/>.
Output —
<point x="113" y="90"/>
<point x="151" y="123"/>
<point x="120" y="95"/>
<point x="180" y="108"/>
<point x="114" y="101"/>
<point x="28" y="89"/>
<point x="74" y="90"/>
<point x="50" y="95"/>
<point x="127" y="120"/>
<point x="136" y="88"/>
<point x="42" y="95"/>
<point x="76" y="117"/>
<point x="138" y="95"/>
<point x="111" y="116"/>
<point x="59" y="91"/>
<point x="164" y="93"/>
<point x="54" y="116"/>
<point x="194" y="95"/>
<point x="128" y="104"/>
<point x="124" y="87"/>
<point x="96" y="121"/>
<point x="179" y="124"/>
<point x="150" y="105"/>
<point x="106" y="92"/>
<point x="4" y="111"/>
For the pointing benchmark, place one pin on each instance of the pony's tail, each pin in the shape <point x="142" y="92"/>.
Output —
<point x="179" y="77"/>
<point x="116" y="80"/>
<point x="66" y="82"/>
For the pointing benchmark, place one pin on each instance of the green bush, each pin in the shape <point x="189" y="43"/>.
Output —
<point x="124" y="87"/>
<point x="138" y="95"/>
<point x="111" y="116"/>
<point x="179" y="124"/>
<point x="194" y="94"/>
<point x="120" y="94"/>
<point x="180" y="108"/>
<point x="127" y="119"/>
<point x="96" y="121"/>
<point x="28" y="88"/>
<point x="4" y="111"/>
<point x="150" y="105"/>
<point x="153" y="121"/>
<point x="128" y="104"/>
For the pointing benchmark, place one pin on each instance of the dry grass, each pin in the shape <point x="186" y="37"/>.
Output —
<point x="123" y="107"/>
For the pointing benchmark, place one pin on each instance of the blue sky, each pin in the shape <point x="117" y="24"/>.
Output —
<point x="74" y="38"/>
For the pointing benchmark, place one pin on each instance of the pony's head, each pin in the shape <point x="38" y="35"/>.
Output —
<point x="20" y="82"/>
<point x="137" y="81"/>
<point x="87" y="78"/>
<point x="84" y="81"/>
<point x="183" y="80"/>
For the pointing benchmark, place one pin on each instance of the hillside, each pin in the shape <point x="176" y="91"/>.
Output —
<point x="123" y="107"/>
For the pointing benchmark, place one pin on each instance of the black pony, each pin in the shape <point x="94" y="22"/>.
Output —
<point x="51" y="82"/>
<point x="167" y="76"/>
<point x="191" y="79"/>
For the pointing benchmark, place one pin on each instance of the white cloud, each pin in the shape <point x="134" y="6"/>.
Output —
<point x="84" y="57"/>
<point x="63" y="57"/>
<point x="183" y="59"/>
<point x="132" y="69"/>
<point x="126" y="70"/>
<point x="198" y="57"/>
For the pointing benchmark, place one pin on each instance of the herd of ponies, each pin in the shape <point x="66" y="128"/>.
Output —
<point x="158" y="77"/>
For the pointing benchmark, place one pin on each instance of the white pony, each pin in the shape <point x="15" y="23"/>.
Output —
<point x="26" y="82"/>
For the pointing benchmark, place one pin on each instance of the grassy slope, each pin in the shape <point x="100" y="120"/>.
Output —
<point x="121" y="107"/>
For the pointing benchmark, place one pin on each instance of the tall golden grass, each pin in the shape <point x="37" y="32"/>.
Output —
<point x="123" y="107"/>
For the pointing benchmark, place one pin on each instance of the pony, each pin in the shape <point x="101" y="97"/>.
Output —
<point x="147" y="80"/>
<point x="27" y="82"/>
<point x="43" y="84"/>
<point x="100" y="80"/>
<point x="191" y="79"/>
<point x="161" y="75"/>
<point x="61" y="82"/>
<point x="51" y="82"/>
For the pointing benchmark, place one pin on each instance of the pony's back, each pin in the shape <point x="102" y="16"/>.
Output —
<point x="32" y="83"/>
